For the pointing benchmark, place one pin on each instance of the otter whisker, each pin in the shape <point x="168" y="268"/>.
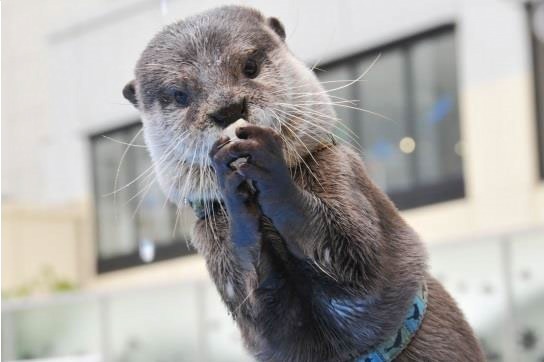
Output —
<point x="236" y="310"/>
<point x="323" y="103"/>
<point x="303" y="164"/>
<point x="165" y="155"/>
<point x="122" y="142"/>
<point x="149" y="179"/>
<point x="149" y="176"/>
<point x="174" y="178"/>
<point x="116" y="179"/>
<point x="311" y="120"/>
<point x="200" y="187"/>
<point x="208" y="176"/>
<point x="358" y="79"/>
<point x="352" y="81"/>
<point x="351" y="107"/>
<point x="277" y="126"/>
<point x="152" y="181"/>
<point x="183" y="193"/>
<point x="290" y="144"/>
<point x="320" y="267"/>
<point x="302" y="142"/>
<point x="338" y="99"/>
<point x="355" y="80"/>
<point x="341" y="126"/>
<point x="312" y="136"/>
<point x="291" y="149"/>
<point x="293" y="115"/>
<point x="224" y="143"/>
<point x="146" y="173"/>
<point x="177" y="178"/>
<point x="164" y="67"/>
<point x="178" y="165"/>
<point x="300" y="157"/>
<point x="147" y="188"/>
<point x="321" y="115"/>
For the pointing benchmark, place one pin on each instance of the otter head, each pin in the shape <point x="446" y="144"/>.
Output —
<point x="199" y="75"/>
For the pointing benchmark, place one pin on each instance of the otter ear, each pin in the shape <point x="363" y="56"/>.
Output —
<point x="277" y="26"/>
<point x="129" y="92"/>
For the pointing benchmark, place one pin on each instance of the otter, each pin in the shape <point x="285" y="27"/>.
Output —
<point x="314" y="262"/>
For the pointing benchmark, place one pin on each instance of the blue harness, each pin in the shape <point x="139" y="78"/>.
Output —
<point x="389" y="349"/>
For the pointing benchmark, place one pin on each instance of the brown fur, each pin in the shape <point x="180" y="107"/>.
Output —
<point x="316" y="230"/>
<point x="444" y="334"/>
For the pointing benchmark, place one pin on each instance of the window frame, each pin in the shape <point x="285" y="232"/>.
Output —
<point x="539" y="111"/>
<point x="448" y="189"/>
<point x="178" y="246"/>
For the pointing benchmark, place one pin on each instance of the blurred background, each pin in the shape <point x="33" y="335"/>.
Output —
<point x="454" y="132"/>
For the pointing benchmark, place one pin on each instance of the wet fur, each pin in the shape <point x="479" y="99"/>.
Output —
<point x="317" y="264"/>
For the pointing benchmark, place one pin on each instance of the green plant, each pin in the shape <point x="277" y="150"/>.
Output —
<point x="47" y="281"/>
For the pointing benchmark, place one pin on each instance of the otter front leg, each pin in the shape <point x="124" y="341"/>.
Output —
<point x="279" y="198"/>
<point x="240" y="203"/>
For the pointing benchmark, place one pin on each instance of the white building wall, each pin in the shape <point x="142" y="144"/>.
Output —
<point x="85" y="52"/>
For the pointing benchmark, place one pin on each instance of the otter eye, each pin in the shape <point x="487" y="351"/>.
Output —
<point x="251" y="68"/>
<point x="181" y="98"/>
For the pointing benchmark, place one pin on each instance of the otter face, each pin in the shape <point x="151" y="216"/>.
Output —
<point x="199" y="75"/>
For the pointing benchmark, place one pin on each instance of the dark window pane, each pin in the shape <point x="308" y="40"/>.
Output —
<point x="135" y="224"/>
<point x="436" y="133"/>
<point x="536" y="16"/>
<point x="384" y="124"/>
<point x="116" y="234"/>
<point x="408" y="128"/>
<point x="156" y="217"/>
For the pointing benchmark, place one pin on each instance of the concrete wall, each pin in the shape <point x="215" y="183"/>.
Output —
<point x="64" y="72"/>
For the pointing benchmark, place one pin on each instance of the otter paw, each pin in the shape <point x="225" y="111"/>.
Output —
<point x="264" y="163"/>
<point x="232" y="184"/>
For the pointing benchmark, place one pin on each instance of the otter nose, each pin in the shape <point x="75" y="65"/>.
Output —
<point x="229" y="113"/>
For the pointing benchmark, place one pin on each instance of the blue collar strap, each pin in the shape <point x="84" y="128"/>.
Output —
<point x="393" y="346"/>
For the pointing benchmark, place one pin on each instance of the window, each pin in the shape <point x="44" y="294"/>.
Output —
<point x="136" y="224"/>
<point x="409" y="132"/>
<point x="536" y="19"/>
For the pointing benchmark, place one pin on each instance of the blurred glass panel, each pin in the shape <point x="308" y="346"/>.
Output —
<point x="527" y="253"/>
<point x="62" y="329"/>
<point x="161" y="324"/>
<point x="498" y="283"/>
<point x="171" y="323"/>
<point x="436" y="115"/>
<point x="383" y="92"/>
<point x="184" y="323"/>
<point x="473" y="273"/>
<point x="222" y="336"/>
